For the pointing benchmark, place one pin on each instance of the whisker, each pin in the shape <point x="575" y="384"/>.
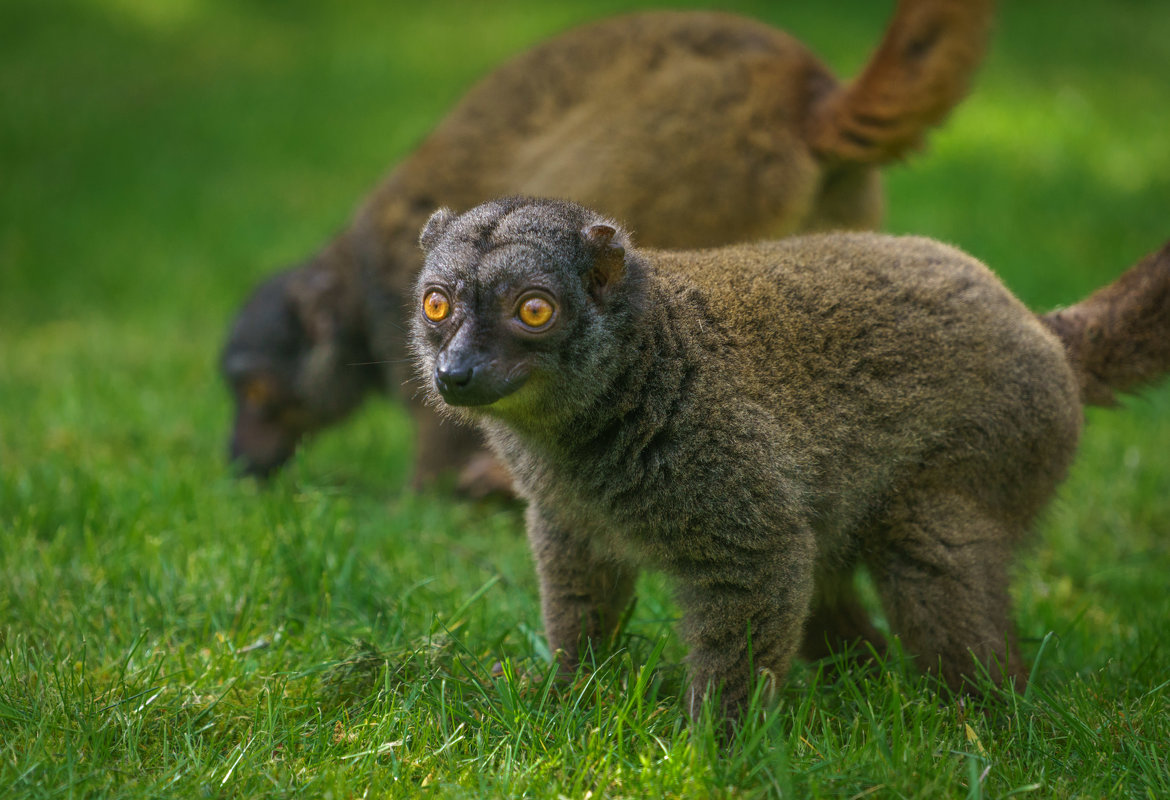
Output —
<point x="374" y="363"/>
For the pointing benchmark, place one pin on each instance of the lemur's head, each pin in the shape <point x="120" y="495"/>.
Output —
<point x="518" y="303"/>
<point x="292" y="367"/>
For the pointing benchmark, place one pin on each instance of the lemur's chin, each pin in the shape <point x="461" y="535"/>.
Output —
<point x="475" y="395"/>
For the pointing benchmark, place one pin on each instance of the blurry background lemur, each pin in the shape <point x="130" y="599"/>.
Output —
<point x="758" y="420"/>
<point x="695" y="129"/>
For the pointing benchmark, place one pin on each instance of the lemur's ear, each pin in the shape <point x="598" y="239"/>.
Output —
<point x="434" y="228"/>
<point x="609" y="259"/>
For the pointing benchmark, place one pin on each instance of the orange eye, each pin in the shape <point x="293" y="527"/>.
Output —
<point x="436" y="306"/>
<point x="535" y="311"/>
<point x="257" y="392"/>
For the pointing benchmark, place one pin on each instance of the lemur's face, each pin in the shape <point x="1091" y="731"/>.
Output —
<point x="501" y="305"/>
<point x="489" y="328"/>
<point x="270" y="421"/>
<point x="487" y="349"/>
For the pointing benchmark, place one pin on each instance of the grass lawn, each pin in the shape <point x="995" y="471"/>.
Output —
<point x="166" y="630"/>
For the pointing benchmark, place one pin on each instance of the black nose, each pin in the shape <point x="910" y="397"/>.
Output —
<point x="455" y="377"/>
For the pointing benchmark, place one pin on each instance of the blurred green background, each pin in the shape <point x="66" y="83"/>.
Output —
<point x="158" y="158"/>
<point x="161" y="155"/>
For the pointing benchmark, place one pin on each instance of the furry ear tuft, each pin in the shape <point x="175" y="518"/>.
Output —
<point x="435" y="227"/>
<point x="600" y="235"/>
<point x="609" y="259"/>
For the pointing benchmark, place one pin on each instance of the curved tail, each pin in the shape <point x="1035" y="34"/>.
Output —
<point x="920" y="71"/>
<point x="1118" y="338"/>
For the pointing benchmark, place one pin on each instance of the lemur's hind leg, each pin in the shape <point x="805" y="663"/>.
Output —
<point x="942" y="573"/>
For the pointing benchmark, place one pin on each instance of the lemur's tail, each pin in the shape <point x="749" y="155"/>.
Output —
<point x="1118" y="338"/>
<point x="920" y="71"/>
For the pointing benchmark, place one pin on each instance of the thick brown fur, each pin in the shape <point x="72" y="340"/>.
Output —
<point x="758" y="421"/>
<point x="918" y="74"/>
<point x="1119" y="337"/>
<point x="694" y="128"/>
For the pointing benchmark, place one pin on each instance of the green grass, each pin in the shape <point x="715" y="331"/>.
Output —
<point x="167" y="630"/>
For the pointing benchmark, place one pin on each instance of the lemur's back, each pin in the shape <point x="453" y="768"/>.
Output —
<point x="896" y="350"/>
<point x="723" y="98"/>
